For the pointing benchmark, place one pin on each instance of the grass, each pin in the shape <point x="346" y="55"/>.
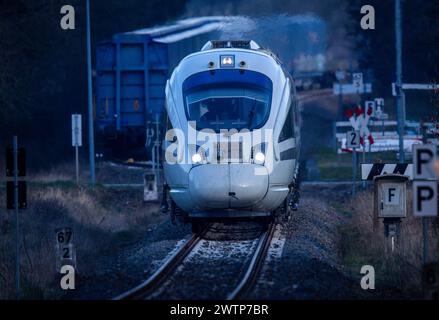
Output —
<point x="362" y="244"/>
<point x="103" y="221"/>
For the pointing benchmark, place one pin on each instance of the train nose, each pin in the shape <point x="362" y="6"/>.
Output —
<point x="223" y="186"/>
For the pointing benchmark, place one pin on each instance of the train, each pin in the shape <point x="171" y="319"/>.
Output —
<point x="232" y="141"/>
<point x="132" y="69"/>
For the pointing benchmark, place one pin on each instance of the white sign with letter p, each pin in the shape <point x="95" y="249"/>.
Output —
<point x="425" y="202"/>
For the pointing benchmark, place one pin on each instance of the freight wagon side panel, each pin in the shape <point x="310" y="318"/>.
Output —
<point x="158" y="74"/>
<point x="105" y="86"/>
<point x="131" y="75"/>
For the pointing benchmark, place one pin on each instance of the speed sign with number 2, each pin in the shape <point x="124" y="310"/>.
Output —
<point x="353" y="139"/>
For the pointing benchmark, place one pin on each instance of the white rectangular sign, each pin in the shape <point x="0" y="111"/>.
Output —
<point x="392" y="200"/>
<point x="353" y="139"/>
<point x="76" y="130"/>
<point x="357" y="79"/>
<point x="425" y="198"/>
<point x="351" y="89"/>
<point x="379" y="102"/>
<point x="424" y="158"/>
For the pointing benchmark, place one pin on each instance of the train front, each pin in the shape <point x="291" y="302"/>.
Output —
<point x="222" y="105"/>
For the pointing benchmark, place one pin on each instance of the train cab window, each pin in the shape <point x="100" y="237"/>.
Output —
<point x="228" y="99"/>
<point x="288" y="128"/>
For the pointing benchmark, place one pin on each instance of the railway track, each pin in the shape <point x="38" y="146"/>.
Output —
<point x="251" y="276"/>
<point x="147" y="287"/>
<point x="164" y="273"/>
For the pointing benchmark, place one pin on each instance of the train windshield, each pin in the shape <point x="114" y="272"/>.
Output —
<point x="228" y="99"/>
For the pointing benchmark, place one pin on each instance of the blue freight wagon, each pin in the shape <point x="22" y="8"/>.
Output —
<point x="131" y="74"/>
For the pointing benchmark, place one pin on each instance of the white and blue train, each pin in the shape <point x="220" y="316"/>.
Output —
<point x="233" y="134"/>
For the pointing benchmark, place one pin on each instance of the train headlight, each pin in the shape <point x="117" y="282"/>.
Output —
<point x="227" y="61"/>
<point x="259" y="158"/>
<point x="199" y="156"/>
<point x="196" y="158"/>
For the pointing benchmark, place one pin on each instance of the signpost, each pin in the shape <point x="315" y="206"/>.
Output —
<point x="424" y="188"/>
<point x="90" y="100"/>
<point x="353" y="142"/>
<point x="359" y="121"/>
<point x="16" y="197"/>
<point x="77" y="140"/>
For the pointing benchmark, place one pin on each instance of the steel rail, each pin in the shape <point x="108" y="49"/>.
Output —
<point x="251" y="276"/>
<point x="160" y="275"/>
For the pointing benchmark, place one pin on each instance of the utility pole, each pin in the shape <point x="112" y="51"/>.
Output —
<point x="17" y="230"/>
<point x="90" y="101"/>
<point x="399" y="98"/>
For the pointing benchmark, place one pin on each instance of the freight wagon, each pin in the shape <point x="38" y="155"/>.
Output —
<point x="131" y="74"/>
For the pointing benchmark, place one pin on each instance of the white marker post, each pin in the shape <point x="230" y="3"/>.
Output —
<point x="77" y="140"/>
<point x="424" y="188"/>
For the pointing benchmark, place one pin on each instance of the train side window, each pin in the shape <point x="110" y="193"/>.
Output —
<point x="288" y="128"/>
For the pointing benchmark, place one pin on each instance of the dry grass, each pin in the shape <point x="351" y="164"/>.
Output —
<point x="102" y="220"/>
<point x="399" y="271"/>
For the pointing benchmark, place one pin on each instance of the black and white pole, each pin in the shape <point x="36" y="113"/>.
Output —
<point x="17" y="225"/>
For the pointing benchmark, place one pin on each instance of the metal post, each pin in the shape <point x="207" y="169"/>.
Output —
<point x="157" y="150"/>
<point x="340" y="113"/>
<point x="364" y="161"/>
<point x="77" y="164"/>
<point x="340" y="100"/>
<point x="354" y="170"/>
<point x="425" y="240"/>
<point x="370" y="153"/>
<point x="399" y="98"/>
<point x="90" y="101"/>
<point x="17" y="230"/>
